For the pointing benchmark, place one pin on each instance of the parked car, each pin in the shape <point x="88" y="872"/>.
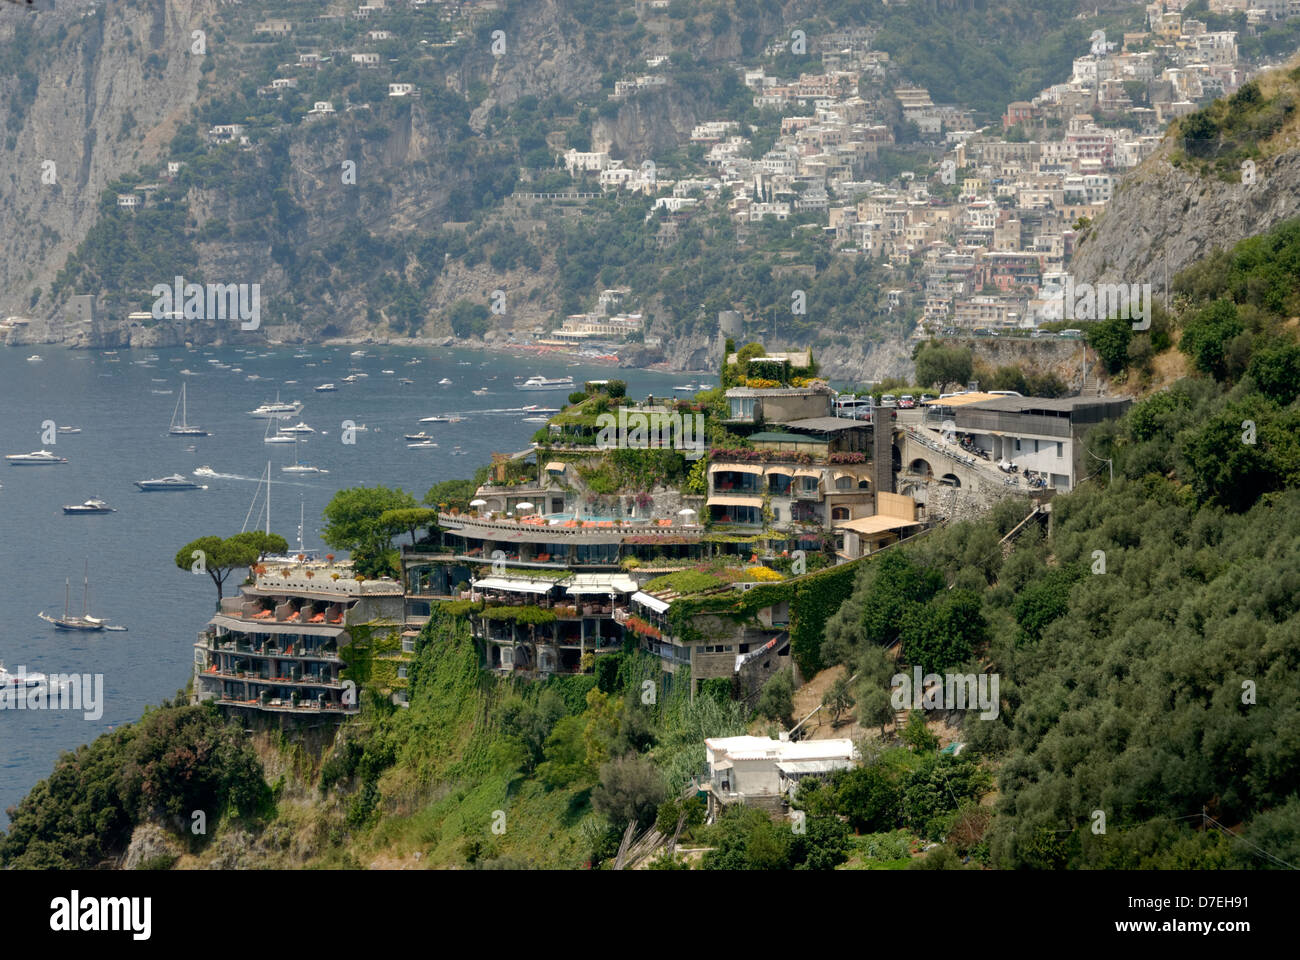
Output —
<point x="1072" y="334"/>
<point x="889" y="400"/>
<point x="906" y="402"/>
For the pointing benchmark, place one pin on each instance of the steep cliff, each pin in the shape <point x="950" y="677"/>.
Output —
<point x="1181" y="204"/>
<point x="84" y="99"/>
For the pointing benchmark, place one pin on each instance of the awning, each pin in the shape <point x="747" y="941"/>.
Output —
<point x="801" y="767"/>
<point x="754" y="468"/>
<point x="844" y="473"/>
<point x="753" y="501"/>
<point x="555" y="467"/>
<point x="877" y="524"/>
<point x="782" y="471"/>
<point x="604" y="583"/>
<point x="514" y="585"/>
<point x="278" y="627"/>
<point x="805" y="472"/>
<point x="652" y="603"/>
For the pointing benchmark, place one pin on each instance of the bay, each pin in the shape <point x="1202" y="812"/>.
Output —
<point x="133" y="577"/>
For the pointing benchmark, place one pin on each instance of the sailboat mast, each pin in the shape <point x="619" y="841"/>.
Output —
<point x="85" y="596"/>
<point x="268" y="496"/>
<point x="67" y="597"/>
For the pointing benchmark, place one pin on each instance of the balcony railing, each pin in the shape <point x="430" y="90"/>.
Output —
<point x="273" y="681"/>
<point x="558" y="532"/>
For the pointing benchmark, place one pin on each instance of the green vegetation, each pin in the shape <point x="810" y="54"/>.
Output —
<point x="220" y="558"/>
<point x="175" y="762"/>
<point x="1222" y="135"/>
<point x="364" y="520"/>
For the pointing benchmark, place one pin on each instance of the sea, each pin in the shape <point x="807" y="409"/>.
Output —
<point x="123" y="403"/>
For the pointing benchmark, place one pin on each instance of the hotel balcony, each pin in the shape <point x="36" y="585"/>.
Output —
<point x="284" y="647"/>
<point x="538" y="529"/>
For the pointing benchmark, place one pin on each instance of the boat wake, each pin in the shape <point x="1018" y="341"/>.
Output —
<point x="235" y="476"/>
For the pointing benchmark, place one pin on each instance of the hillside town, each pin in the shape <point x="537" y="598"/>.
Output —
<point x="980" y="242"/>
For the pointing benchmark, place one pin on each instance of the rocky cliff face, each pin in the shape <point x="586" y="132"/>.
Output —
<point x="1165" y="218"/>
<point x="97" y="96"/>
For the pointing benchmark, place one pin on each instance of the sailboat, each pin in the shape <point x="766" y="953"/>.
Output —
<point x="184" y="429"/>
<point x="85" y="622"/>
<point x="300" y="466"/>
<point x="265" y="514"/>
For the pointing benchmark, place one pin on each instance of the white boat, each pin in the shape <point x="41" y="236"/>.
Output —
<point x="34" y="358"/>
<point x="422" y="445"/>
<point x="93" y="505"/>
<point x="299" y="427"/>
<point x="281" y="438"/>
<point x="687" y="388"/>
<point x="35" y="459"/>
<point x="161" y="393"/>
<point x="480" y="392"/>
<point x="69" y="430"/>
<point x="544" y="383"/>
<point x="444" y="382"/>
<point x="350" y="379"/>
<point x="418" y="437"/>
<point x="22" y="680"/>
<point x="435" y="419"/>
<point x="357" y="353"/>
<point x="173" y="482"/>
<point x="326" y="388"/>
<point x="184" y="428"/>
<point x="276" y="411"/>
<point x="187" y="372"/>
<point x="405" y="380"/>
<point x="302" y="467"/>
<point x="205" y="471"/>
<point x="387" y="371"/>
<point x="536" y="420"/>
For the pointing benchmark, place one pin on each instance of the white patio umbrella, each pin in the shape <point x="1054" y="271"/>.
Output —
<point x="478" y="503"/>
<point x="523" y="506"/>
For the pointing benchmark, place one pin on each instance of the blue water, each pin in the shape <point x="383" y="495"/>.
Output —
<point x="133" y="577"/>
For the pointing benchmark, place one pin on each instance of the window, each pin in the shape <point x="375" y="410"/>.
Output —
<point x="742" y="408"/>
<point x="776" y="514"/>
<point x="844" y="483"/>
<point x="839" y="513"/>
<point x="1060" y="449"/>
<point x="401" y="673"/>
